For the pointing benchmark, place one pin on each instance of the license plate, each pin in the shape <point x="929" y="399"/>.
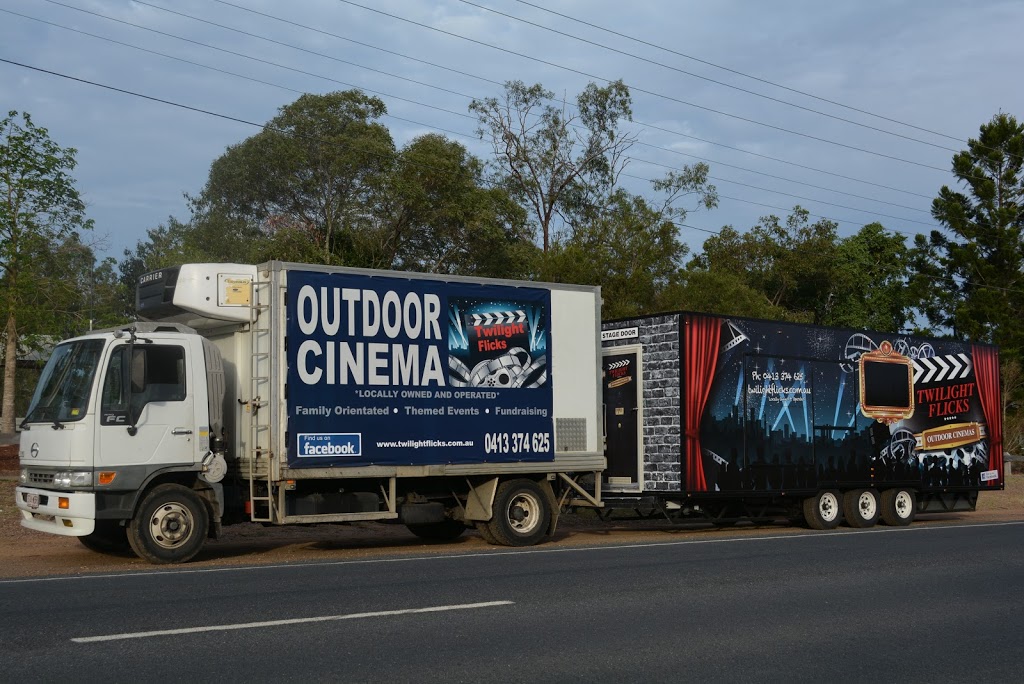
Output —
<point x="32" y="500"/>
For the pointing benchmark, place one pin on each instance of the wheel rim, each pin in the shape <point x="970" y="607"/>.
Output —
<point x="171" y="525"/>
<point x="523" y="513"/>
<point x="903" y="505"/>
<point x="828" y="507"/>
<point x="867" y="506"/>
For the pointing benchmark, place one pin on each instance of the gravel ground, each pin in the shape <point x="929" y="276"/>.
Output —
<point x="25" y="553"/>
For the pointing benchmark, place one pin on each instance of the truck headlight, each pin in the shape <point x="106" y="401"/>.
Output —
<point x="68" y="479"/>
<point x="23" y="476"/>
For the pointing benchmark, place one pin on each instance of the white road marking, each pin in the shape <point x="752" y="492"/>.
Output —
<point x="504" y="551"/>
<point x="291" y="621"/>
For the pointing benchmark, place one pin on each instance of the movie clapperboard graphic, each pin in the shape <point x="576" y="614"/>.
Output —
<point x="942" y="368"/>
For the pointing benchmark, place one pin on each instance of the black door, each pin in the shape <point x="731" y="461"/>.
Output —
<point x="621" y="401"/>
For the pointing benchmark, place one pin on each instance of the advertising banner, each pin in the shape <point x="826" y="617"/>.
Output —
<point x="388" y="371"/>
<point x="778" y="406"/>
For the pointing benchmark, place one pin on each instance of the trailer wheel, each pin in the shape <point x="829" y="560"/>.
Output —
<point x="485" y="531"/>
<point x="823" y="511"/>
<point x="521" y="514"/>
<point x="108" y="537"/>
<point x="445" y="530"/>
<point x="860" y="507"/>
<point x="899" y="506"/>
<point x="170" y="525"/>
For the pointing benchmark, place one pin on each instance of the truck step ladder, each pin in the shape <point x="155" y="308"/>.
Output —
<point x="260" y="454"/>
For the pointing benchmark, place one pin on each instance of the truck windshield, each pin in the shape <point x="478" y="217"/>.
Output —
<point x="62" y="394"/>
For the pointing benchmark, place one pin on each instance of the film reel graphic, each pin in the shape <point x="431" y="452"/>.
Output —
<point x="514" y="369"/>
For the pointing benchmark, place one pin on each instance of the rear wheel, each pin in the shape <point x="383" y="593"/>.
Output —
<point x="860" y="506"/>
<point x="446" y="530"/>
<point x="485" y="531"/>
<point x="521" y="513"/>
<point x="108" y="537"/>
<point x="823" y="511"/>
<point x="170" y="525"/>
<point x="899" y="506"/>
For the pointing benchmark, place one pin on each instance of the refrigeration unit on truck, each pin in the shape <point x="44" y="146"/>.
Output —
<point x="730" y="418"/>
<point x="286" y="393"/>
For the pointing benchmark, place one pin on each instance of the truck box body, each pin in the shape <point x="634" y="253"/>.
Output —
<point x="716" y="408"/>
<point x="359" y="371"/>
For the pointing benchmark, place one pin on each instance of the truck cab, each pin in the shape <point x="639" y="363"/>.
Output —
<point x="115" y="415"/>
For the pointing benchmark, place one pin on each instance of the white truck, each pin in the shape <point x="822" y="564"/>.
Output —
<point x="297" y="394"/>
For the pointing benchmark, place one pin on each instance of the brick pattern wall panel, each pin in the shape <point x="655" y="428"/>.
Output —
<point x="659" y="338"/>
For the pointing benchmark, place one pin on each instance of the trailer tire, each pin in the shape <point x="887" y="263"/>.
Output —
<point x="445" y="530"/>
<point x="108" y="537"/>
<point x="824" y="510"/>
<point x="521" y="513"/>
<point x="170" y="525"/>
<point x="899" y="506"/>
<point x="860" y="507"/>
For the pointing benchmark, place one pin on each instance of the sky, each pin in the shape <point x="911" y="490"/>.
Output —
<point x="852" y="110"/>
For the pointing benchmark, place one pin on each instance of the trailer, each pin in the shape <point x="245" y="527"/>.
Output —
<point x="726" y="418"/>
<point x="297" y="394"/>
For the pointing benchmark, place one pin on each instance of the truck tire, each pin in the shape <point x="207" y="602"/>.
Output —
<point x="109" y="537"/>
<point x="860" y="507"/>
<point x="521" y="514"/>
<point x="443" y="531"/>
<point x="485" y="531"/>
<point x="899" y="506"/>
<point x="170" y="525"/>
<point x="823" y="511"/>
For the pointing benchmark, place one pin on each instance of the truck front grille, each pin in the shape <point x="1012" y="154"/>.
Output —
<point x="40" y="478"/>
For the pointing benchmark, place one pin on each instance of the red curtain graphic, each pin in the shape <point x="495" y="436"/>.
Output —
<point x="700" y="342"/>
<point x="986" y="374"/>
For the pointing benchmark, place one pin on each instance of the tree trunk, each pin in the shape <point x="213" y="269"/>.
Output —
<point x="10" y="367"/>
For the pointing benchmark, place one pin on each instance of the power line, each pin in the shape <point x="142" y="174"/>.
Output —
<point x="706" y="78"/>
<point x="271" y="128"/>
<point x="501" y="84"/>
<point x="739" y="73"/>
<point x="650" y="92"/>
<point x="385" y="94"/>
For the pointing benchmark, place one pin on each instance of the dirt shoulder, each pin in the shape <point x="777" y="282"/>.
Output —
<point x="24" y="553"/>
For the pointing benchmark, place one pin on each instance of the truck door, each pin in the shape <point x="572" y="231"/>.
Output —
<point x="146" y="391"/>
<point x="622" y="385"/>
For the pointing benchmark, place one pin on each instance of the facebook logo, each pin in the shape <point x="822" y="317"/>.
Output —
<point x="321" y="445"/>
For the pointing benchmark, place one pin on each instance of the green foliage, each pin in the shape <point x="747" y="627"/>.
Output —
<point x="629" y="247"/>
<point x="790" y="264"/>
<point x="968" y="278"/>
<point x="40" y="210"/>
<point x="323" y="183"/>
<point x="868" y="284"/>
<point x="556" y="163"/>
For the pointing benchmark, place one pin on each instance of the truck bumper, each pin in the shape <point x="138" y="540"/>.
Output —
<point x="41" y="510"/>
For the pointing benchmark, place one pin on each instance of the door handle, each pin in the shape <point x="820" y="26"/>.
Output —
<point x="181" y="431"/>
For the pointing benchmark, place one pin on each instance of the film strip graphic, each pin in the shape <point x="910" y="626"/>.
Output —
<point x="939" y="368"/>
<point x="514" y="369"/>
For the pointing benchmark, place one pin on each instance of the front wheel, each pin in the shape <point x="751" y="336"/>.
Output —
<point x="108" y="537"/>
<point x="823" y="511"/>
<point x="521" y="513"/>
<point x="170" y="525"/>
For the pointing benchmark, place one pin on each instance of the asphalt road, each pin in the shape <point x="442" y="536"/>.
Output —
<point x="924" y="603"/>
